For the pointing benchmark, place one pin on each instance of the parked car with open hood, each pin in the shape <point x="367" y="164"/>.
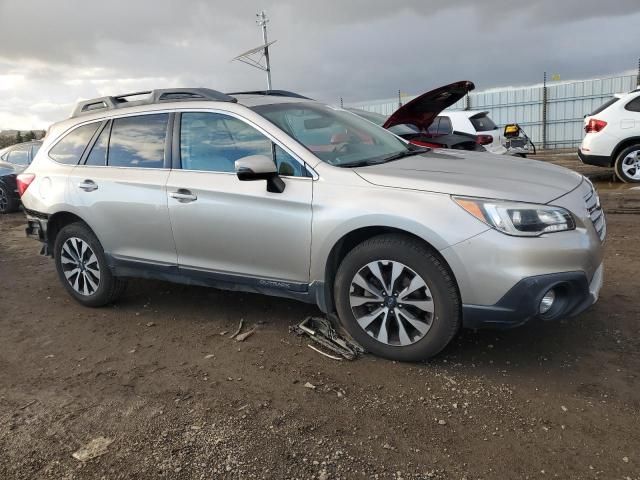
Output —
<point x="418" y="120"/>
<point x="13" y="160"/>
<point x="278" y="194"/>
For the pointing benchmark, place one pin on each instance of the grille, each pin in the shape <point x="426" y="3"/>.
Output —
<point x="596" y="214"/>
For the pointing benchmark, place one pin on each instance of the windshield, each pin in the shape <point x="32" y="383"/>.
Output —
<point x="376" y="118"/>
<point x="334" y="135"/>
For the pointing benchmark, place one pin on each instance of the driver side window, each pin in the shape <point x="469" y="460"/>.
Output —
<point x="213" y="142"/>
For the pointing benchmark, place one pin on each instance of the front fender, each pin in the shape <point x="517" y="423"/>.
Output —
<point x="339" y="210"/>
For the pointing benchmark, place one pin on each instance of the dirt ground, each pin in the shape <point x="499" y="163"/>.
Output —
<point x="179" y="399"/>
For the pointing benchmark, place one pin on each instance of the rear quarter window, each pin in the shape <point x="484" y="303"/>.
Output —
<point x="482" y="123"/>
<point x="633" y="105"/>
<point x="604" y="106"/>
<point x="69" y="150"/>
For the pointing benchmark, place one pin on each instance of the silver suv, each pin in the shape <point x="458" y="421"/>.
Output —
<point x="275" y="193"/>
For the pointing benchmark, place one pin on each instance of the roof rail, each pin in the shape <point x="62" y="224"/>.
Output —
<point x="152" y="96"/>
<point x="275" y="93"/>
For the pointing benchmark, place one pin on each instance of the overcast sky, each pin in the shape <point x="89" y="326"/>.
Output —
<point x="54" y="52"/>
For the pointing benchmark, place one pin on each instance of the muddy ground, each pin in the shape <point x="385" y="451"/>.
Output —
<point x="179" y="399"/>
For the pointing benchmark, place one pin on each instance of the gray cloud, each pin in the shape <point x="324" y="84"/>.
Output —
<point x="55" y="52"/>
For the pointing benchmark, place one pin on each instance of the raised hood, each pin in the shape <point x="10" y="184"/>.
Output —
<point x="475" y="174"/>
<point x="423" y="109"/>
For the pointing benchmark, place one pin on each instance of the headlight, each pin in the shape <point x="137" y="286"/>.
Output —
<point x="520" y="219"/>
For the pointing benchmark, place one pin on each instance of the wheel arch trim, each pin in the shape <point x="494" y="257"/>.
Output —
<point x="345" y="238"/>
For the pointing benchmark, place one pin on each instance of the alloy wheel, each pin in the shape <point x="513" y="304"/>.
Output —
<point x="80" y="266"/>
<point x="631" y="165"/>
<point x="391" y="302"/>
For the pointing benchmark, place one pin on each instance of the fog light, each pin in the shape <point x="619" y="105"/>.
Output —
<point x="547" y="301"/>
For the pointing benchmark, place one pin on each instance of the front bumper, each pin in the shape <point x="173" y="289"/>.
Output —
<point x="574" y="294"/>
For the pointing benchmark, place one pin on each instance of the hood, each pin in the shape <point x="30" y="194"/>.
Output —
<point x="423" y="109"/>
<point x="475" y="174"/>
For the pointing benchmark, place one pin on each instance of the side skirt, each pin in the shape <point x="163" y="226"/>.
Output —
<point x="134" y="268"/>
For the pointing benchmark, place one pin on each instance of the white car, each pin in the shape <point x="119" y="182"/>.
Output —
<point x="612" y="136"/>
<point x="475" y="123"/>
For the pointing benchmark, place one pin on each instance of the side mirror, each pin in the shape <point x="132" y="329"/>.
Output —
<point x="512" y="130"/>
<point x="260" y="167"/>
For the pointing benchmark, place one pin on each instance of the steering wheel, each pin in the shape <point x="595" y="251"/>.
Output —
<point x="342" y="147"/>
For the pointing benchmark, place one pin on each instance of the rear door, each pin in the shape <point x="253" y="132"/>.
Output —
<point x="119" y="187"/>
<point x="235" y="230"/>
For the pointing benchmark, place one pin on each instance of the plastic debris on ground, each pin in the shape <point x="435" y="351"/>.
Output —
<point x="95" y="448"/>
<point x="322" y="332"/>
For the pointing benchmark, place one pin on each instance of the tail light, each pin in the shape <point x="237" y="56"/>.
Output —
<point x="484" y="139"/>
<point x="594" y="125"/>
<point x="23" y="181"/>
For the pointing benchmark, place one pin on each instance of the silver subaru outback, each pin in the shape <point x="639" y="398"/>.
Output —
<point x="275" y="193"/>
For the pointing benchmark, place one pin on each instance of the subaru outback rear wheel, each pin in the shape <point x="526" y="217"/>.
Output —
<point x="82" y="267"/>
<point x="628" y="164"/>
<point x="397" y="298"/>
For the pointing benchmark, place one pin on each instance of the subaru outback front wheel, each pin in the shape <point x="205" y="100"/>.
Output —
<point x="82" y="267"/>
<point x="397" y="298"/>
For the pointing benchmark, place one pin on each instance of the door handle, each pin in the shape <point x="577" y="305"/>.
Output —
<point x="88" y="186"/>
<point x="183" y="195"/>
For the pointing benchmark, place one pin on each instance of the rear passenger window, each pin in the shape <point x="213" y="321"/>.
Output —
<point x="98" y="155"/>
<point x="138" y="141"/>
<point x="70" y="148"/>
<point x="444" y="128"/>
<point x="633" y="105"/>
<point x="433" y="128"/>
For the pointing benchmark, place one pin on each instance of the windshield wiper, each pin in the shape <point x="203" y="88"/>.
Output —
<point x="390" y="158"/>
<point x="405" y="154"/>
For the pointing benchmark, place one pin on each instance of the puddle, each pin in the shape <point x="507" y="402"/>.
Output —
<point x="613" y="185"/>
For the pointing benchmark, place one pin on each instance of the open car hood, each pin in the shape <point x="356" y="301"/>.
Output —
<point x="423" y="109"/>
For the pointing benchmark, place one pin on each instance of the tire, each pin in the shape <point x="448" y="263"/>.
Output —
<point x="92" y="285"/>
<point x="627" y="164"/>
<point x="415" y="262"/>
<point x="8" y="202"/>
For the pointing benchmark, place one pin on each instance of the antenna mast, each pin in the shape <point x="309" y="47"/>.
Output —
<point x="262" y="21"/>
<point x="255" y="56"/>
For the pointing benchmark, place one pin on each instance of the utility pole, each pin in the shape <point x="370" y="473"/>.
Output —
<point x="262" y="21"/>
<point x="544" y="111"/>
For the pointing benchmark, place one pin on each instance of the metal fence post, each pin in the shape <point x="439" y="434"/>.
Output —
<point x="341" y="103"/>
<point x="399" y="99"/>
<point x="544" y="111"/>
<point x="467" y="102"/>
<point x="638" y="81"/>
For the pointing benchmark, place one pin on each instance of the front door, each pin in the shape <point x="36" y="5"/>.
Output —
<point x="229" y="228"/>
